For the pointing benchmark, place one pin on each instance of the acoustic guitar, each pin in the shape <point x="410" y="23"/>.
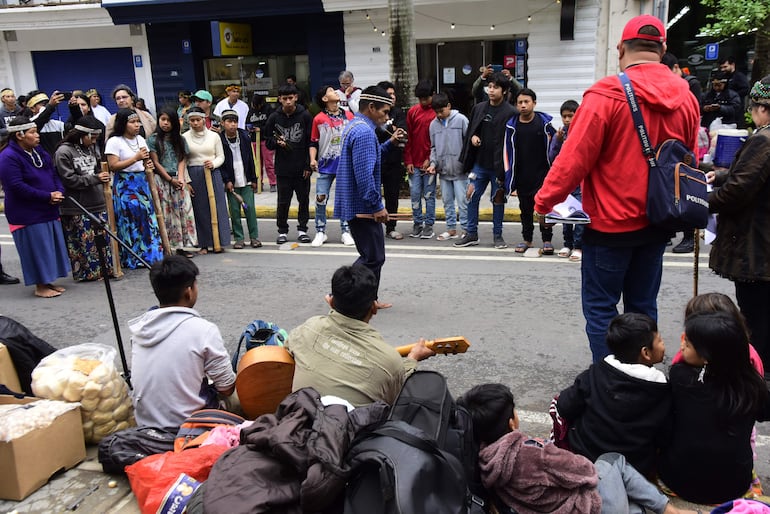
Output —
<point x="445" y="346"/>
<point x="264" y="378"/>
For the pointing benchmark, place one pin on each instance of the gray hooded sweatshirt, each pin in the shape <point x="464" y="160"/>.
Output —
<point x="173" y="349"/>
<point x="446" y="144"/>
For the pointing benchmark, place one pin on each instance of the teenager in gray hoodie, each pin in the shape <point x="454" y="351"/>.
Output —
<point x="447" y="133"/>
<point x="175" y="352"/>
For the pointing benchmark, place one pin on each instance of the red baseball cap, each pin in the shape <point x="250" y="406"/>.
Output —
<point x="631" y="30"/>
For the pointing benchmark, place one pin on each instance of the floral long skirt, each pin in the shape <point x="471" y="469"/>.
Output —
<point x="135" y="218"/>
<point x="80" y="232"/>
<point x="177" y="215"/>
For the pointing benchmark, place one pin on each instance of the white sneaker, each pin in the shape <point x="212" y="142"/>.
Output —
<point x="347" y="239"/>
<point x="319" y="239"/>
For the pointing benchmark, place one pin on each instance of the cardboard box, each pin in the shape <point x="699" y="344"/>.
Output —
<point x="8" y="374"/>
<point x="28" y="462"/>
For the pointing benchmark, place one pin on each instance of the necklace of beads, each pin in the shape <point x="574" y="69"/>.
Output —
<point x="37" y="160"/>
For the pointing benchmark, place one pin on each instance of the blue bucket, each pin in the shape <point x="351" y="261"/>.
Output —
<point x="729" y="141"/>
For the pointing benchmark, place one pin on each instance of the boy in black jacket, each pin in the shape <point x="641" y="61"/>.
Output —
<point x="240" y="178"/>
<point x="288" y="133"/>
<point x="621" y="403"/>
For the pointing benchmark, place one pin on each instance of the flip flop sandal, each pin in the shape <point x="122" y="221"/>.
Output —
<point x="238" y="246"/>
<point x="564" y="252"/>
<point x="577" y="256"/>
<point x="445" y="236"/>
<point x="522" y="247"/>
<point x="547" y="249"/>
<point x="395" y="234"/>
<point x="256" y="243"/>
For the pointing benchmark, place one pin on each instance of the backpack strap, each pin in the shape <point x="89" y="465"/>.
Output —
<point x="425" y="445"/>
<point x="636" y="114"/>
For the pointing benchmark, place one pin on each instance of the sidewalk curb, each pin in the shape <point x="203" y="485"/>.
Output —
<point x="484" y="214"/>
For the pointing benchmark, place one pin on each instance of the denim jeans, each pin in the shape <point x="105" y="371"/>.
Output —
<point x="323" y="185"/>
<point x="609" y="272"/>
<point x="423" y="185"/>
<point x="452" y="190"/>
<point x="482" y="178"/>
<point x="624" y="489"/>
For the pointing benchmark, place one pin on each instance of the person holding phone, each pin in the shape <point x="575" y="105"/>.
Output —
<point x="39" y="109"/>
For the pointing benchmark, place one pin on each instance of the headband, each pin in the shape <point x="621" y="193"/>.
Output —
<point x="760" y="93"/>
<point x="6" y="91"/>
<point x="21" y="128"/>
<point x="87" y="130"/>
<point x="132" y="116"/>
<point x="195" y="114"/>
<point x="40" y="97"/>
<point x="377" y="98"/>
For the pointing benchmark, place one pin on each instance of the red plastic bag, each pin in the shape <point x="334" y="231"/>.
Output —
<point x="152" y="476"/>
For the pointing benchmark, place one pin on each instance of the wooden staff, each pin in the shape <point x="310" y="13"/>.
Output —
<point x="696" y="251"/>
<point x="257" y="148"/>
<point x="117" y="270"/>
<point x="148" y="172"/>
<point x="213" y="209"/>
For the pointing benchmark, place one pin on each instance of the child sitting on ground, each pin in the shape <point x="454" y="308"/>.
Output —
<point x="527" y="475"/>
<point x="717" y="397"/>
<point x="621" y="404"/>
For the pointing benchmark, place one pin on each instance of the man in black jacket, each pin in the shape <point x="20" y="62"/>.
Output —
<point x="240" y="178"/>
<point x="393" y="170"/>
<point x="288" y="133"/>
<point x="721" y="101"/>
<point x="482" y="155"/>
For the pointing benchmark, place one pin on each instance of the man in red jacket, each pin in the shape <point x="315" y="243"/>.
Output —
<point x="422" y="182"/>
<point x="622" y="252"/>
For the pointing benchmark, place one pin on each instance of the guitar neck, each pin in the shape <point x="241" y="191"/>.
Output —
<point x="447" y="345"/>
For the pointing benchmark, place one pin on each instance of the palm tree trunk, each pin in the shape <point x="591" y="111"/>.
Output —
<point x="403" y="51"/>
<point x="761" y="66"/>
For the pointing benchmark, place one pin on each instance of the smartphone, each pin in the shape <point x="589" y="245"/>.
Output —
<point x="67" y="94"/>
<point x="497" y="68"/>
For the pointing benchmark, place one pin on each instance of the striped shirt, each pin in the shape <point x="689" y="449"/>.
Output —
<point x="358" y="174"/>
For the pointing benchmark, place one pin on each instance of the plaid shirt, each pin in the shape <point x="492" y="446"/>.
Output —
<point x="358" y="173"/>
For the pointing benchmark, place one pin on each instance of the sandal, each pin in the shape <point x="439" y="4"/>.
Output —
<point x="185" y="253"/>
<point x="522" y="247"/>
<point x="450" y="234"/>
<point x="238" y="245"/>
<point x="564" y="252"/>
<point x="547" y="248"/>
<point x="577" y="255"/>
<point x="58" y="289"/>
<point x="395" y="234"/>
<point x="256" y="243"/>
<point x="203" y="251"/>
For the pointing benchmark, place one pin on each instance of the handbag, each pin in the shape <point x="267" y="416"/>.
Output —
<point x="677" y="197"/>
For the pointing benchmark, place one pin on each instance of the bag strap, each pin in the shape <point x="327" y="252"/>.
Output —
<point x="410" y="439"/>
<point x="636" y="114"/>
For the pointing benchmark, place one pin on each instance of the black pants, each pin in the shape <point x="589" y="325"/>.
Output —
<point x="392" y="178"/>
<point x="287" y="186"/>
<point x="370" y="243"/>
<point x="527" y="208"/>
<point x="754" y="302"/>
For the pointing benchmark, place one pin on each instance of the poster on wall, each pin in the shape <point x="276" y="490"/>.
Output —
<point x="449" y="75"/>
<point x="230" y="38"/>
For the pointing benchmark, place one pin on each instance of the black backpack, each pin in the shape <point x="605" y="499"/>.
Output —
<point x="422" y="460"/>
<point x="118" y="450"/>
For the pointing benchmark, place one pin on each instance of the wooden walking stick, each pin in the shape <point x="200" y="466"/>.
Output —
<point x="148" y="172"/>
<point x="117" y="270"/>
<point x="257" y="148"/>
<point x="213" y="209"/>
<point x="696" y="251"/>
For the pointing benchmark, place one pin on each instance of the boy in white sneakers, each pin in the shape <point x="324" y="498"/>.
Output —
<point x="447" y="133"/>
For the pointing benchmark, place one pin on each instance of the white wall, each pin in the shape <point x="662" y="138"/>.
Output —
<point x="86" y="28"/>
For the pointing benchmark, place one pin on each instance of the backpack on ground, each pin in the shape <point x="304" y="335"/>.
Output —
<point x="196" y="428"/>
<point x="118" y="450"/>
<point x="421" y="460"/>
<point x="259" y="333"/>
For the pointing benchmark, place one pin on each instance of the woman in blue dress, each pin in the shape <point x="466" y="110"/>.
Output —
<point x="128" y="156"/>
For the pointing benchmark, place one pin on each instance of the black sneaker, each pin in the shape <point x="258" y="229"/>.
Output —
<point x="686" y="246"/>
<point x="427" y="232"/>
<point x="416" y="230"/>
<point x="468" y="240"/>
<point x="282" y="238"/>
<point x="303" y="237"/>
<point x="500" y="243"/>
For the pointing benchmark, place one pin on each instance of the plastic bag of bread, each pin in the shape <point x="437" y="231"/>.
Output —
<point x="86" y="374"/>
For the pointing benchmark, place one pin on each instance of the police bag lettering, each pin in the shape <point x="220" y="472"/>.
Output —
<point x="677" y="199"/>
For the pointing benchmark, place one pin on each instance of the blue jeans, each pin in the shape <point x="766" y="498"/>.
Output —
<point x="624" y="489"/>
<point x="423" y="185"/>
<point x="479" y="183"/>
<point x="323" y="185"/>
<point x="607" y="273"/>
<point x="452" y="190"/>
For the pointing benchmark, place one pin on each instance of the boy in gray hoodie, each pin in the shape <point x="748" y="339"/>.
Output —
<point x="447" y="133"/>
<point x="175" y="352"/>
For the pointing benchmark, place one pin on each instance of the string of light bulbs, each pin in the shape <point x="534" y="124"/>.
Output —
<point x="374" y="27"/>
<point x="453" y="25"/>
